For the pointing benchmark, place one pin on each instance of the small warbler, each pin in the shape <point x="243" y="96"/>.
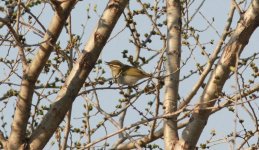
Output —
<point x="125" y="74"/>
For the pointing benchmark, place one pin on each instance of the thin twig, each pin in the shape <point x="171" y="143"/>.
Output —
<point x="213" y="58"/>
<point x="237" y="7"/>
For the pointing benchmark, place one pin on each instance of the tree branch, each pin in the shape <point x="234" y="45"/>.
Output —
<point x="23" y="106"/>
<point x="210" y="63"/>
<point x="237" y="42"/>
<point x="78" y="74"/>
<point x="148" y="139"/>
<point x="136" y="124"/>
<point x="143" y="141"/>
<point x="174" y="24"/>
<point x="3" y="141"/>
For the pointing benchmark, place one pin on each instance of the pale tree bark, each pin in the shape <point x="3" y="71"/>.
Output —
<point x="173" y="54"/>
<point x="159" y="133"/>
<point x="78" y="74"/>
<point x="3" y="140"/>
<point x="239" y="39"/>
<point x="22" y="113"/>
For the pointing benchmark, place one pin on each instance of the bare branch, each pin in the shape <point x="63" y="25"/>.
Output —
<point x="211" y="61"/>
<point x="173" y="52"/>
<point x="143" y="141"/>
<point x="3" y="141"/>
<point x="237" y="42"/>
<point x="78" y="74"/>
<point x="67" y="129"/>
<point x="23" y="106"/>
<point x="136" y="124"/>
<point x="237" y="7"/>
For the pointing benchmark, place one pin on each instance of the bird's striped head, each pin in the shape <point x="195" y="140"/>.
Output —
<point x="115" y="64"/>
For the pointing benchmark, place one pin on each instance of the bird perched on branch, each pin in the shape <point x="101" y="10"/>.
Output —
<point x="125" y="74"/>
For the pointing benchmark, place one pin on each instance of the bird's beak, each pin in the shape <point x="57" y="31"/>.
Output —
<point x="107" y="63"/>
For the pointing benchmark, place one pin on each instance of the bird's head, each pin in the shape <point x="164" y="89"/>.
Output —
<point x="115" y="64"/>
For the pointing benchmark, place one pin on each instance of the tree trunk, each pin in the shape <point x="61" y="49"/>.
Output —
<point x="239" y="39"/>
<point x="79" y="72"/>
<point x="173" y="9"/>
<point x="23" y="106"/>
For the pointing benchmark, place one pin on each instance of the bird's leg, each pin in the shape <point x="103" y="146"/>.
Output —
<point x="110" y="83"/>
<point x="129" y="90"/>
<point x="135" y="88"/>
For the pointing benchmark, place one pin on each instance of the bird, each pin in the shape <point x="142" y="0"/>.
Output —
<point x="125" y="74"/>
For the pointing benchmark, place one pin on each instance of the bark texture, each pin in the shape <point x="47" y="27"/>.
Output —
<point x="23" y="105"/>
<point x="79" y="72"/>
<point x="173" y="8"/>
<point x="239" y="39"/>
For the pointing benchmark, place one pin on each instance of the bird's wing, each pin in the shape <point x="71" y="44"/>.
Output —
<point x="137" y="72"/>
